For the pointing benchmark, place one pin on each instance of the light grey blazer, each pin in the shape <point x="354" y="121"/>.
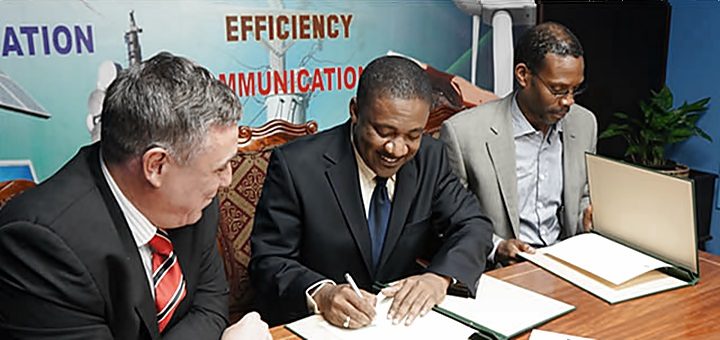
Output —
<point x="481" y="150"/>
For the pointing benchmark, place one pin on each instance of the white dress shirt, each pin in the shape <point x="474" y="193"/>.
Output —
<point x="140" y="227"/>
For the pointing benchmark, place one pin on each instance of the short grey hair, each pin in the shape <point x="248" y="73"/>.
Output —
<point x="166" y="101"/>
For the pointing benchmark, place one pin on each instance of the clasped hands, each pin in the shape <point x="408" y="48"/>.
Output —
<point x="412" y="297"/>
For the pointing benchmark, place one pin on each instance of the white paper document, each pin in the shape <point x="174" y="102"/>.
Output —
<point x="537" y="334"/>
<point x="506" y="308"/>
<point x="603" y="257"/>
<point x="500" y="306"/>
<point x="594" y="264"/>
<point x="431" y="326"/>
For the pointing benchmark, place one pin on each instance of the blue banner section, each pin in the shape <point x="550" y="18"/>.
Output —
<point x="57" y="40"/>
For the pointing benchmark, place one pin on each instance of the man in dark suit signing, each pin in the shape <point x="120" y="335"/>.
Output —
<point x="367" y="198"/>
<point x="120" y="242"/>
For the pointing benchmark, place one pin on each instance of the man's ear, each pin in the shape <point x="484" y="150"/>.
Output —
<point x="353" y="110"/>
<point x="154" y="165"/>
<point x="522" y="75"/>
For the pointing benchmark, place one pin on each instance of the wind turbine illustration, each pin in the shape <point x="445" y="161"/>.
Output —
<point x="107" y="71"/>
<point x="288" y="106"/>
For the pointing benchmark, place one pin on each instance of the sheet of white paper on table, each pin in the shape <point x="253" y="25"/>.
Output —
<point x="537" y="334"/>
<point x="648" y="283"/>
<point x="431" y="326"/>
<point x="603" y="257"/>
<point x="499" y="306"/>
<point x="505" y="308"/>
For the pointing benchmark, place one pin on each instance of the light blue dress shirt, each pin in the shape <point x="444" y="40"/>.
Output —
<point x="539" y="179"/>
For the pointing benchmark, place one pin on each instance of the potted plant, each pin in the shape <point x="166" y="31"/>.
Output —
<point x="659" y="125"/>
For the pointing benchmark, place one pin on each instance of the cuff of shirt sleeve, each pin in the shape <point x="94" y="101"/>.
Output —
<point x="496" y="244"/>
<point x="310" y="293"/>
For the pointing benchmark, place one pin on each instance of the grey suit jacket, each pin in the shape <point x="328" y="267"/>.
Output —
<point x="481" y="150"/>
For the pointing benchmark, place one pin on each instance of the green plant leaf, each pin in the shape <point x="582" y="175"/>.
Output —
<point x="658" y="125"/>
<point x="663" y="98"/>
<point x="633" y="150"/>
<point x="700" y="105"/>
<point x="614" y="130"/>
<point x="658" y="155"/>
<point x="692" y="118"/>
<point x="647" y="110"/>
<point x="680" y="135"/>
<point x="621" y="116"/>
<point x="699" y="132"/>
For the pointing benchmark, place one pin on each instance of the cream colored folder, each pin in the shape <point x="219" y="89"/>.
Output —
<point x="644" y="238"/>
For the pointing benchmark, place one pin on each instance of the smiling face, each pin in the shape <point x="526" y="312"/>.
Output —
<point x="536" y="98"/>
<point x="387" y="131"/>
<point x="186" y="189"/>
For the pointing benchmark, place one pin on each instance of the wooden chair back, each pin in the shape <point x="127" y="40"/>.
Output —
<point x="451" y="94"/>
<point x="238" y="201"/>
<point x="10" y="189"/>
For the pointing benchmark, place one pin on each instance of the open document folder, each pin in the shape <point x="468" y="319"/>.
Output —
<point x="643" y="240"/>
<point x="501" y="310"/>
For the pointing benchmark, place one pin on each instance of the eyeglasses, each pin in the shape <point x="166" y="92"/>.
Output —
<point x="563" y="93"/>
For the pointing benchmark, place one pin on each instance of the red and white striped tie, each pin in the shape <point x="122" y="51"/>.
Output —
<point x="167" y="277"/>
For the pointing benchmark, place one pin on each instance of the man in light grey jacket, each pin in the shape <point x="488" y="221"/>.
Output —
<point x="523" y="155"/>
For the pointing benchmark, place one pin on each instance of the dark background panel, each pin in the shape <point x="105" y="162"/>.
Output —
<point x="626" y="47"/>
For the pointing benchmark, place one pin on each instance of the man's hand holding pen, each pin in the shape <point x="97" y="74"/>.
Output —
<point x="341" y="306"/>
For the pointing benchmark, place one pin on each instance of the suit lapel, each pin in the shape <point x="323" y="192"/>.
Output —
<point x="405" y="184"/>
<point x="501" y="148"/>
<point x="139" y="293"/>
<point x="182" y="241"/>
<point x="342" y="173"/>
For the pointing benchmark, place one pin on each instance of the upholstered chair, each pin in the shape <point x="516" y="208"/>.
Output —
<point x="237" y="202"/>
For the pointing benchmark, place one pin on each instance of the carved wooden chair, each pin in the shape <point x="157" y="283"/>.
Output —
<point x="451" y="94"/>
<point x="10" y="189"/>
<point x="238" y="201"/>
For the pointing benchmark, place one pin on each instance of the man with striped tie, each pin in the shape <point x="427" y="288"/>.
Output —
<point x="120" y="242"/>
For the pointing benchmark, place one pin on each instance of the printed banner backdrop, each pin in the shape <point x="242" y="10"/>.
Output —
<point x="297" y="60"/>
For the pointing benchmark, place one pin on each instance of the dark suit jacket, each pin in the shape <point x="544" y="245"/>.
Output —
<point x="70" y="269"/>
<point x="310" y="223"/>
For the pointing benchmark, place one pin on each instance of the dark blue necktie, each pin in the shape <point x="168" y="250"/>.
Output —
<point x="378" y="218"/>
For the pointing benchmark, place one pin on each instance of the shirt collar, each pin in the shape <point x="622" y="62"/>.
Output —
<point x="366" y="173"/>
<point x="141" y="228"/>
<point x="521" y="126"/>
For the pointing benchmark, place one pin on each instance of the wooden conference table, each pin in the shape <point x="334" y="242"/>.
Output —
<point x="685" y="313"/>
